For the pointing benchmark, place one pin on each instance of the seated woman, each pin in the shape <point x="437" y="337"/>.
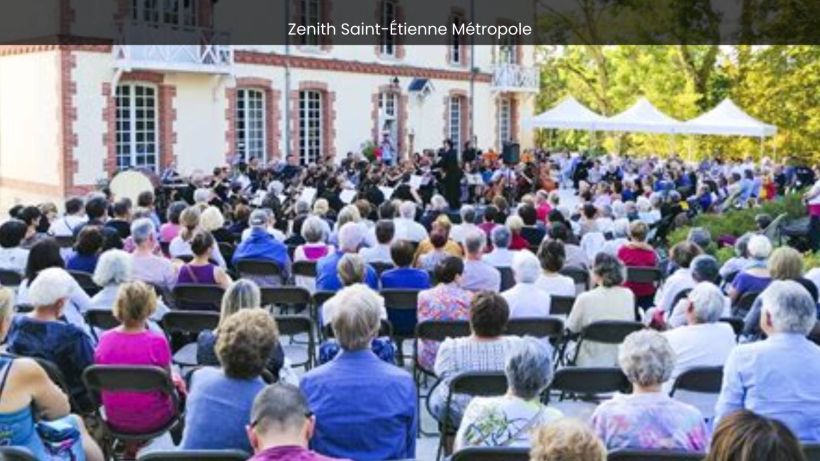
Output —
<point x="43" y="334"/>
<point x="525" y="298"/>
<point x="517" y="242"/>
<point x="315" y="248"/>
<point x="485" y="349"/>
<point x="86" y="250"/>
<point x="220" y="399"/>
<point x="551" y="255"/>
<point x="28" y="391"/>
<point x="201" y="270"/>
<point x="181" y="245"/>
<point x="746" y="436"/>
<point x="509" y="420"/>
<point x="566" y="440"/>
<point x="404" y="276"/>
<point x="756" y="276"/>
<point x="608" y="301"/>
<point x="638" y="253"/>
<point x="12" y="256"/>
<point x="170" y="230"/>
<point x="132" y="343"/>
<point x="438" y="240"/>
<point x="113" y="269"/>
<point x="213" y="221"/>
<point x="648" y="419"/>
<point x="242" y="294"/>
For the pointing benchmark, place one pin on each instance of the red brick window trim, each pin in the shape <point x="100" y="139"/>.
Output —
<point x="271" y="113"/>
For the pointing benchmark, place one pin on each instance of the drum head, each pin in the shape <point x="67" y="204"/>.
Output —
<point x="130" y="184"/>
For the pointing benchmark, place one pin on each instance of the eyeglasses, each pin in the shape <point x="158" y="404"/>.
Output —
<point x="308" y="414"/>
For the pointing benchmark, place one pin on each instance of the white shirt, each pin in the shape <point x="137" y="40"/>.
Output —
<point x="461" y="231"/>
<point x="276" y="233"/>
<point x="14" y="259"/>
<point x="814" y="276"/>
<point x="407" y="229"/>
<point x="377" y="254"/>
<point x="527" y="300"/>
<point x="179" y="247"/>
<point x="499" y="257"/>
<point x="611" y="247"/>
<point x="556" y="285"/>
<point x="677" y="282"/>
<point x="64" y="227"/>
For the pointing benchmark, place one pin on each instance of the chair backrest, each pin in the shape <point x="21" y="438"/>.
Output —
<point x="130" y="378"/>
<point x="681" y="295"/>
<point x="290" y="325"/>
<point x="380" y="267"/>
<point x="400" y="299"/>
<point x="401" y="308"/>
<point x="479" y="383"/>
<point x="16" y="454"/>
<point x="101" y="318"/>
<point x="812" y="451"/>
<point x="652" y="455"/>
<point x="385" y="329"/>
<point x="198" y="297"/>
<point x="86" y="282"/>
<point x="507" y="278"/>
<point x="439" y="330"/>
<point x="589" y="380"/>
<point x="189" y="321"/>
<point x="651" y="275"/>
<point x="258" y="267"/>
<point x="609" y="331"/>
<point x="285" y="296"/>
<point x="737" y="324"/>
<point x="320" y="297"/>
<point x="65" y="241"/>
<point x="195" y="455"/>
<point x="538" y="327"/>
<point x="706" y="380"/>
<point x="561" y="305"/>
<point x="579" y="276"/>
<point x="226" y="249"/>
<point x="491" y="454"/>
<point x="304" y="268"/>
<point x="9" y="278"/>
<point x="744" y="304"/>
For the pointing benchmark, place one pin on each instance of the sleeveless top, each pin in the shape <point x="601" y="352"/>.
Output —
<point x="202" y="275"/>
<point x="17" y="427"/>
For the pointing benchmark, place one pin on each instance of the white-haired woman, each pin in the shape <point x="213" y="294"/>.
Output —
<point x="756" y="276"/>
<point x="213" y="221"/>
<point x="508" y="421"/>
<point x="525" y="298"/>
<point x="648" y="418"/>
<point x="114" y="269"/>
<point x="146" y="265"/>
<point x="315" y="248"/>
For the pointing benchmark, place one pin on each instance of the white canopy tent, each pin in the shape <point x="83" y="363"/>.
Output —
<point x="569" y="115"/>
<point x="642" y="117"/>
<point x="728" y="120"/>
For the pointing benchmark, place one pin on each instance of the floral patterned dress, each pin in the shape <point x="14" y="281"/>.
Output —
<point x="442" y="302"/>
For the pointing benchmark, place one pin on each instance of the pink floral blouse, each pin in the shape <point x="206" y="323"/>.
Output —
<point x="442" y="302"/>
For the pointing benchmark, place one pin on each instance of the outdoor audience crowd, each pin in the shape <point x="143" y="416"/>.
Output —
<point x="499" y="246"/>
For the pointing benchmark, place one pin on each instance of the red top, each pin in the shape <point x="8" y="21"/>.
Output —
<point x="543" y="211"/>
<point x="633" y="256"/>
<point x="518" y="242"/>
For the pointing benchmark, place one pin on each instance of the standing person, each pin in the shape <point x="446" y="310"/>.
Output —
<point x="388" y="150"/>
<point x="812" y="200"/>
<point x="451" y="183"/>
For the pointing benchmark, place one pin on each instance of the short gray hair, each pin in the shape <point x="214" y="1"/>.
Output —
<point x="526" y="267"/>
<point x="620" y="227"/>
<point x="529" y="368"/>
<point x="142" y="230"/>
<point x="279" y="408"/>
<point x="50" y="286"/>
<point x="357" y="317"/>
<point x="202" y="195"/>
<point x="501" y="237"/>
<point x="467" y="214"/>
<point x="438" y="202"/>
<point x="708" y="302"/>
<point x="759" y="247"/>
<point x="302" y="207"/>
<point x="348" y="214"/>
<point x="350" y="236"/>
<point x="474" y="242"/>
<point x="241" y="294"/>
<point x="790" y="307"/>
<point x="313" y="229"/>
<point x="407" y="210"/>
<point x="646" y="358"/>
<point x="113" y="268"/>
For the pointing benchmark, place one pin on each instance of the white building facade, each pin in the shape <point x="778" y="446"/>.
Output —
<point x="73" y="115"/>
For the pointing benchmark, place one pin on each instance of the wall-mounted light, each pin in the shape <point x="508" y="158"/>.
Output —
<point x="395" y="82"/>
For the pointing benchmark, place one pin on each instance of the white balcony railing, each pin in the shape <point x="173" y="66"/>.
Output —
<point x="198" y="49"/>
<point x="516" y="78"/>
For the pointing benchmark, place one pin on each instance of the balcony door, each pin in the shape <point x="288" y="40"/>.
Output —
<point x="136" y="126"/>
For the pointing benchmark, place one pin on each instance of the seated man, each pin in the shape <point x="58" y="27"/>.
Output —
<point x="404" y="276"/>
<point x="778" y="377"/>
<point x="385" y="230"/>
<point x="478" y="275"/>
<point x="350" y="237"/>
<point x="261" y="245"/>
<point x="43" y="334"/>
<point x="281" y="426"/>
<point x="501" y="255"/>
<point x="380" y="422"/>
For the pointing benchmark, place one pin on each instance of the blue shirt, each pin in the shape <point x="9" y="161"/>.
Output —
<point x="778" y="378"/>
<point x="362" y="419"/>
<point x="83" y="263"/>
<point x="217" y="410"/>
<point x="263" y="246"/>
<point x="406" y="278"/>
<point x="327" y="279"/>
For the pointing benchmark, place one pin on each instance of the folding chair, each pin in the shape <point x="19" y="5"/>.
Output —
<point x="744" y="304"/>
<point x="401" y="308"/>
<point x="380" y="267"/>
<point x="537" y="327"/>
<point x="651" y="275"/>
<point x="653" y="455"/>
<point x="385" y="329"/>
<point x="292" y="325"/>
<point x="491" y="454"/>
<point x="474" y="384"/>
<point x="319" y="298"/>
<point x="195" y="455"/>
<point x="16" y="454"/>
<point x="286" y="297"/>
<point x="182" y="329"/>
<point x="705" y="380"/>
<point x="304" y="268"/>
<point x="812" y="451"/>
<point x="24" y="308"/>
<point x="86" y="282"/>
<point x="588" y="383"/>
<point x="607" y="332"/>
<point x="196" y="297"/>
<point x="65" y="241"/>
<point x="140" y="379"/>
<point x="252" y="268"/>
<point x="507" y="278"/>
<point x="579" y="276"/>
<point x="10" y="279"/>
<point x="101" y="319"/>
<point x="737" y="324"/>
<point x="561" y="305"/>
<point x="681" y="295"/>
<point x="226" y="249"/>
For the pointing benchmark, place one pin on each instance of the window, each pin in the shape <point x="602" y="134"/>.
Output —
<point x="310" y="126"/>
<point x="387" y="42"/>
<point x="504" y="121"/>
<point x="507" y="53"/>
<point x="387" y="104"/>
<point x="172" y="12"/>
<point x="136" y="126"/>
<point x="456" y="41"/>
<point x="250" y="123"/>
<point x="455" y="121"/>
<point x="310" y="16"/>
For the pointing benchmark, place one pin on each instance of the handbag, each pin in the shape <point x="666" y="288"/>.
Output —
<point x="61" y="439"/>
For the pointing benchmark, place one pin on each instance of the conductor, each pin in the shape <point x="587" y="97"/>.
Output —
<point x="451" y="181"/>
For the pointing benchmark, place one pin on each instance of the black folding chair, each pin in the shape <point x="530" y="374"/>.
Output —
<point x="385" y="329"/>
<point x="401" y="308"/>
<point x="737" y="324"/>
<point x="507" y="278"/>
<point x="744" y="304"/>
<point x="196" y="297"/>
<point x="65" y="241"/>
<point x="606" y="332"/>
<point x="653" y="455"/>
<point x="304" y="268"/>
<point x="705" y="380"/>
<point x="537" y="327"/>
<point x="101" y="319"/>
<point x="292" y="325"/>
<point x="681" y="295"/>
<point x="579" y="276"/>
<point x="258" y="268"/>
<point x="319" y="298"/>
<point x="226" y="249"/>
<point x="586" y="383"/>
<point x="381" y="267"/>
<point x="474" y="384"/>
<point x="812" y="451"/>
<point x="491" y="454"/>
<point x="195" y="455"/>
<point x="140" y="379"/>
<point x="16" y="454"/>
<point x="561" y="305"/>
<point x="86" y="282"/>
<point x="286" y="297"/>
<point x="651" y="275"/>
<point x="10" y="279"/>
<point x="183" y="327"/>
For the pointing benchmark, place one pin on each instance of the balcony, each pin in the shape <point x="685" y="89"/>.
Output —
<point x="194" y="49"/>
<point x="516" y="78"/>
